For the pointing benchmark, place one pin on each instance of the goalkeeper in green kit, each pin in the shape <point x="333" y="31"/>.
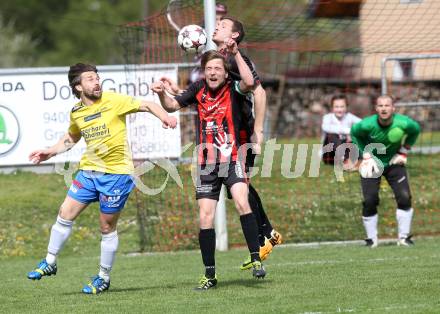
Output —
<point x="384" y="140"/>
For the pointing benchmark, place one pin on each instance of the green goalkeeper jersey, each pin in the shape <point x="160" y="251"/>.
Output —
<point x="402" y="132"/>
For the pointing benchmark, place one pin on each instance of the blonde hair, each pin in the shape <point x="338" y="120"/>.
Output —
<point x="386" y="96"/>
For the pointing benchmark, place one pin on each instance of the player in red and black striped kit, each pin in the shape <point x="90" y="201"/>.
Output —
<point x="251" y="131"/>
<point x="219" y="100"/>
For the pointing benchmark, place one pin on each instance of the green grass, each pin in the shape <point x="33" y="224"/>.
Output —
<point x="322" y="279"/>
<point x="303" y="209"/>
<point x="29" y="205"/>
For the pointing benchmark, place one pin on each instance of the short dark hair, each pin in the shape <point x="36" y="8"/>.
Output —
<point x="338" y="97"/>
<point x="74" y="75"/>
<point x="237" y="27"/>
<point x="211" y="55"/>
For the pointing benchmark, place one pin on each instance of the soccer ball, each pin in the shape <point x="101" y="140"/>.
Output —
<point x="192" y="38"/>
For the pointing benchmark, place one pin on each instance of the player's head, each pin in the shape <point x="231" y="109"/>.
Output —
<point x="215" y="67"/>
<point x="385" y="107"/>
<point x="220" y="11"/>
<point x="84" y="80"/>
<point x="226" y="28"/>
<point x="339" y="105"/>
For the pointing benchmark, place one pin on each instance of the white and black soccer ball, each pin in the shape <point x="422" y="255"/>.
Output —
<point x="192" y="38"/>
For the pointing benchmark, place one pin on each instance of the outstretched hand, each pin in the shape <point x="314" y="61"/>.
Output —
<point x="158" y="87"/>
<point x="170" y="86"/>
<point x="39" y="156"/>
<point x="231" y="47"/>
<point x="169" y="122"/>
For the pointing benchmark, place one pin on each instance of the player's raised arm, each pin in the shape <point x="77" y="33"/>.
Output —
<point x="170" y="86"/>
<point x="247" y="79"/>
<point x="167" y="102"/>
<point x="260" y="99"/>
<point x="184" y="99"/>
<point x="63" y="145"/>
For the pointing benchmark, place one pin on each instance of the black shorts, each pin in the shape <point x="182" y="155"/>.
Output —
<point x="211" y="177"/>
<point x="337" y="140"/>
<point x="397" y="178"/>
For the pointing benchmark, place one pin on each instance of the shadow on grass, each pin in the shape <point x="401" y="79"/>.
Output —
<point x="248" y="283"/>
<point x="124" y="290"/>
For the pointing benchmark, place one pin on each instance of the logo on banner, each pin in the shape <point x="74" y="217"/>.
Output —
<point x="9" y="130"/>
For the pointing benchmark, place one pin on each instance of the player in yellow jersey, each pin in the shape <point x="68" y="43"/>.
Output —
<point x="105" y="168"/>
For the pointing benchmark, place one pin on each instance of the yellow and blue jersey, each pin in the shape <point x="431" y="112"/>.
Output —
<point x="103" y="127"/>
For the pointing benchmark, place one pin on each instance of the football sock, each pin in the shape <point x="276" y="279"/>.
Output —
<point x="59" y="234"/>
<point x="253" y="203"/>
<point x="51" y="258"/>
<point x="207" y="248"/>
<point x="104" y="273"/>
<point x="370" y="224"/>
<point x="210" y="271"/>
<point x="264" y="226"/>
<point x="109" y="246"/>
<point x="404" y="218"/>
<point x="250" y="231"/>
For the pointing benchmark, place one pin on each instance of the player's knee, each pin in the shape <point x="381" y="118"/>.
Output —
<point x="242" y="206"/>
<point x="371" y="200"/>
<point x="108" y="224"/>
<point x="65" y="213"/>
<point x="370" y="207"/>
<point x="107" y="228"/>
<point x="404" y="200"/>
<point x="368" y="212"/>
<point x="206" y="219"/>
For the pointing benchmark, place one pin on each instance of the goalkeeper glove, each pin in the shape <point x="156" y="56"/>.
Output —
<point x="368" y="166"/>
<point x="400" y="158"/>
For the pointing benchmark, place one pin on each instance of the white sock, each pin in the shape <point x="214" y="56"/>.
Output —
<point x="370" y="225"/>
<point x="59" y="234"/>
<point x="51" y="258"/>
<point x="109" y="246"/>
<point x="104" y="273"/>
<point x="404" y="218"/>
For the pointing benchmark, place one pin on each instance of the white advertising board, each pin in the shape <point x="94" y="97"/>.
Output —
<point x="35" y="105"/>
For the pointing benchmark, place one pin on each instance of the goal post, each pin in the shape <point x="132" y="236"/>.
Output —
<point x="221" y="230"/>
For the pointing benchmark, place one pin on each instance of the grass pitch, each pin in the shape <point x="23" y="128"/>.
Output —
<point x="318" y="279"/>
<point x="303" y="209"/>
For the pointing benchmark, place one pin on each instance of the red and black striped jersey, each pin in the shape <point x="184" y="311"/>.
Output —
<point x="219" y="120"/>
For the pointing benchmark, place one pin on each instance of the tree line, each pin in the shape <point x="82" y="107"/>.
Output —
<point x="59" y="33"/>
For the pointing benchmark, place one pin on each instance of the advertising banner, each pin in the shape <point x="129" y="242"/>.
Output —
<point x="35" y="105"/>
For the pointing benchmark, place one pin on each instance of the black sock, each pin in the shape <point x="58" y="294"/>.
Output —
<point x="264" y="226"/>
<point x="207" y="247"/>
<point x="253" y="203"/>
<point x="250" y="231"/>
